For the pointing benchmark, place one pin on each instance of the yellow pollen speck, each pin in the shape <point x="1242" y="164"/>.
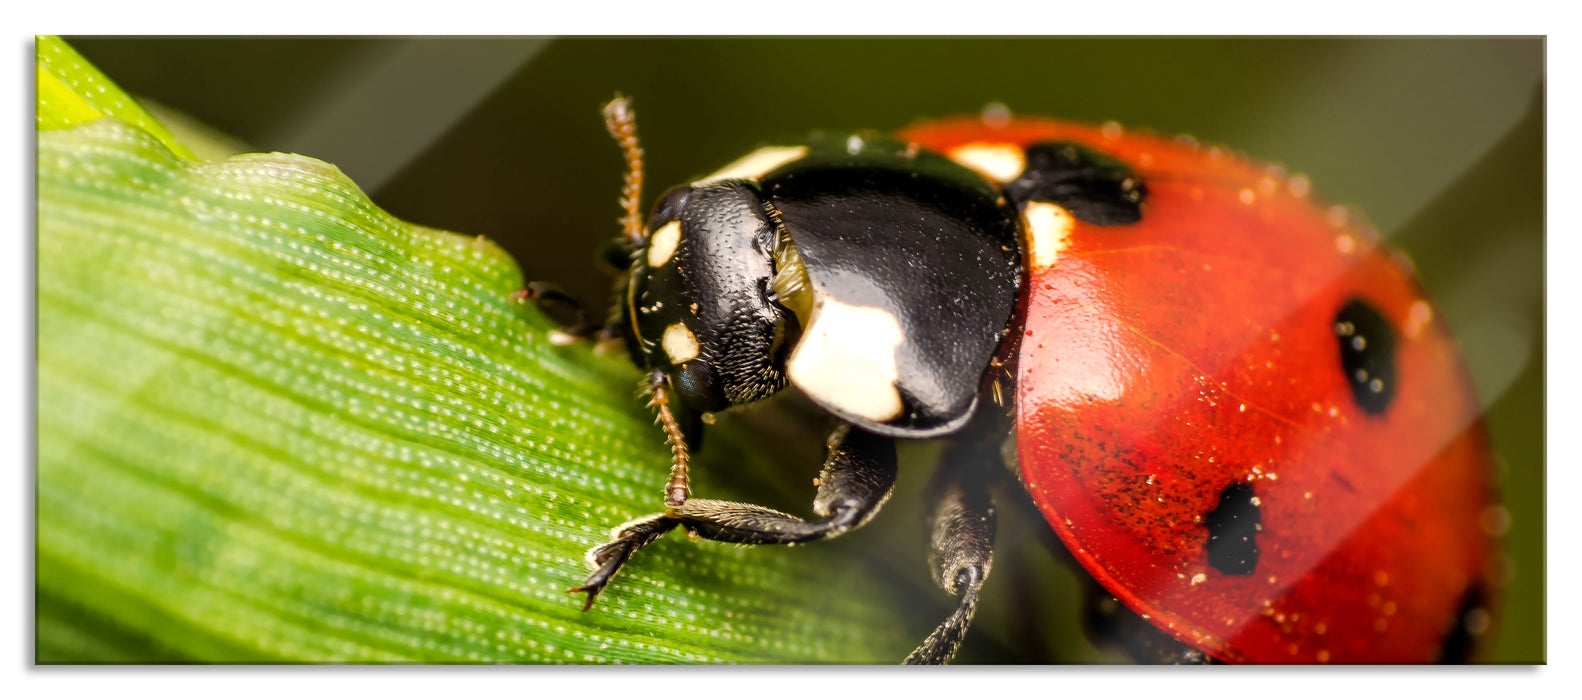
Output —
<point x="1477" y="621"/>
<point x="1247" y="196"/>
<point x="1199" y="578"/>
<point x="1111" y="130"/>
<point x="1417" y="318"/>
<point x="995" y="115"/>
<point x="1496" y="520"/>
<point x="1337" y="215"/>
<point x="1299" y="185"/>
<point x="1345" y="243"/>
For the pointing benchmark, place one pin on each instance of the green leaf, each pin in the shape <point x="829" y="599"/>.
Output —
<point x="277" y="424"/>
<point x="71" y="91"/>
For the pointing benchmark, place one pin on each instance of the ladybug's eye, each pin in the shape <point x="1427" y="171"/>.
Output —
<point x="669" y="205"/>
<point x="700" y="387"/>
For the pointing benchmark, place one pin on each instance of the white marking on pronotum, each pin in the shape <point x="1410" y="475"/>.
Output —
<point x="846" y="360"/>
<point x="663" y="244"/>
<point x="679" y="343"/>
<point x="756" y="164"/>
<point x="1000" y="162"/>
<point x="1048" y="232"/>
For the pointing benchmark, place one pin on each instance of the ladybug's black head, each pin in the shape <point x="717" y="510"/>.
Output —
<point x="701" y="303"/>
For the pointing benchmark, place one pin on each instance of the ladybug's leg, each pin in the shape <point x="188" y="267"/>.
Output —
<point x="578" y="325"/>
<point x="1109" y="622"/>
<point x="859" y="471"/>
<point x="962" y="549"/>
<point x="557" y="304"/>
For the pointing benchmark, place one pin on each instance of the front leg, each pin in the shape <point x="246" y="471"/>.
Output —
<point x="859" y="472"/>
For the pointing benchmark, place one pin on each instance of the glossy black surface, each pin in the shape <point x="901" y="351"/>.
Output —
<point x="716" y="284"/>
<point x="1233" y="528"/>
<point x="1093" y="187"/>
<point x="1367" y="354"/>
<point x="922" y="238"/>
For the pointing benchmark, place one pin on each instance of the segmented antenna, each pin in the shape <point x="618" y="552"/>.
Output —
<point x="621" y="122"/>
<point x="678" y="488"/>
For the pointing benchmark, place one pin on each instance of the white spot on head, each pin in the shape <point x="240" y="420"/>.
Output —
<point x="756" y="164"/>
<point x="846" y="360"/>
<point x="1247" y="196"/>
<point x="853" y="144"/>
<point x="663" y="243"/>
<point x="679" y="343"/>
<point x="1111" y="130"/>
<point x="1048" y="232"/>
<point x="1000" y="162"/>
<point x="1345" y="243"/>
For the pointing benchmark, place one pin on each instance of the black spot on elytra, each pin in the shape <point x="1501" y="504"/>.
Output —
<point x="1233" y="526"/>
<point x="1094" y="187"/>
<point x="1367" y="354"/>
<point x="1461" y="640"/>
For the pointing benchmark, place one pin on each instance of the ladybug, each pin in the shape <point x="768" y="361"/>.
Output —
<point x="1237" y="409"/>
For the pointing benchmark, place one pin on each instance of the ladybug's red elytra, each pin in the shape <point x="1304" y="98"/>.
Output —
<point x="1238" y="410"/>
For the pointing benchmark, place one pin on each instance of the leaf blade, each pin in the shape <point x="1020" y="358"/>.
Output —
<point x="277" y="424"/>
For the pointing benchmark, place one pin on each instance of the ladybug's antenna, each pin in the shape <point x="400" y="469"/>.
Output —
<point x="621" y="122"/>
<point x="678" y="489"/>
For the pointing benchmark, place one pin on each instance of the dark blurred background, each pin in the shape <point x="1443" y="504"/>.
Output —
<point x="1440" y="141"/>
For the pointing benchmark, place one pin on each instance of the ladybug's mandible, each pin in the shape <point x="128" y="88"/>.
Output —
<point x="1239" y="412"/>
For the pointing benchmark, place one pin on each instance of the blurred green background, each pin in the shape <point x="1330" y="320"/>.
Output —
<point x="1440" y="141"/>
